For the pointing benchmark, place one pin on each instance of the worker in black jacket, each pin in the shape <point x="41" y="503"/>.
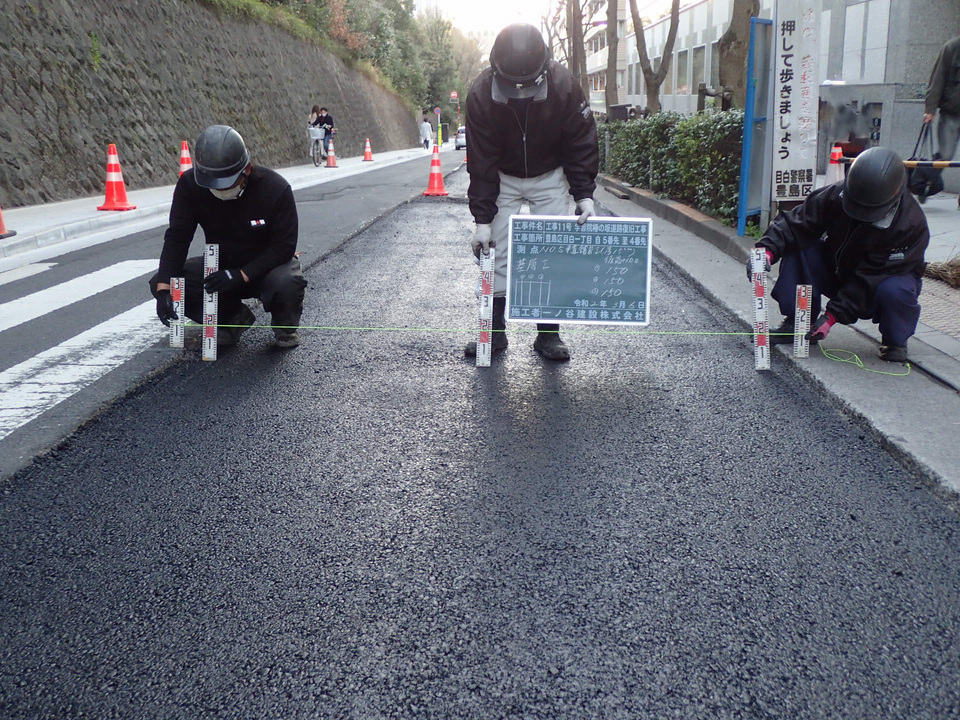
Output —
<point x="250" y="213"/>
<point x="531" y="138"/>
<point x="860" y="242"/>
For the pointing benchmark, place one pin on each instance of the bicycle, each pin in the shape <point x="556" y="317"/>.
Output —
<point x="316" y="145"/>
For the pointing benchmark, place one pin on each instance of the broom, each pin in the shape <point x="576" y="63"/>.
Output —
<point x="948" y="271"/>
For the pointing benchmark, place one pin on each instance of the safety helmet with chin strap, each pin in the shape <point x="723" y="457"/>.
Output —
<point x="519" y="60"/>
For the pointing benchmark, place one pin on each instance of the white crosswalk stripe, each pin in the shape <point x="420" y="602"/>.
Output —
<point x="34" y="386"/>
<point x="22" y="310"/>
<point x="24" y="271"/>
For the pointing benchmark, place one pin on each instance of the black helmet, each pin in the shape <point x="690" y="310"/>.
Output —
<point x="873" y="185"/>
<point x="219" y="156"/>
<point x="519" y="60"/>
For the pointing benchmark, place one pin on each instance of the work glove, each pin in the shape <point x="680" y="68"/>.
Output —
<point x="585" y="209"/>
<point x="821" y="328"/>
<point x="481" y="239"/>
<point x="165" y="310"/>
<point x="224" y="281"/>
<point x="766" y="266"/>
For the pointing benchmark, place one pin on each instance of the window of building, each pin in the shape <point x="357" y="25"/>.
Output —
<point x="715" y="64"/>
<point x="683" y="84"/>
<point x="667" y="87"/>
<point x="630" y="80"/>
<point x="621" y="78"/>
<point x="699" y="58"/>
<point x="621" y="29"/>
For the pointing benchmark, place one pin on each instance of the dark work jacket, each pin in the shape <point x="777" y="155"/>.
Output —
<point x="860" y="255"/>
<point x="256" y="232"/>
<point x="943" y="89"/>
<point x="558" y="130"/>
<point x="324" y="120"/>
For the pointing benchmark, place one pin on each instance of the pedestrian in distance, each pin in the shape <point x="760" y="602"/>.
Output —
<point x="324" y="121"/>
<point x="533" y="139"/>
<point x="943" y="94"/>
<point x="250" y="213"/>
<point x="860" y="242"/>
<point x="426" y="133"/>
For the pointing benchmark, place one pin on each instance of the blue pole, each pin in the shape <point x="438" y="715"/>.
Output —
<point x="747" y="133"/>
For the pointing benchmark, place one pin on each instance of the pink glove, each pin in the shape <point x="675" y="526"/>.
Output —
<point x="821" y="328"/>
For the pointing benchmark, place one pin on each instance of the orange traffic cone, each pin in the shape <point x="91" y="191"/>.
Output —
<point x="331" y="156"/>
<point x="834" y="169"/>
<point x="4" y="233"/>
<point x="185" y="162"/>
<point x="435" y="186"/>
<point x="367" y="153"/>
<point x="116" y="195"/>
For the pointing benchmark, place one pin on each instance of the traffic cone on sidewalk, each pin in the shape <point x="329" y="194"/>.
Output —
<point x="367" y="152"/>
<point x="185" y="162"/>
<point x="116" y="194"/>
<point x="834" y="170"/>
<point x="435" y="186"/>
<point x="4" y="233"/>
<point x="331" y="156"/>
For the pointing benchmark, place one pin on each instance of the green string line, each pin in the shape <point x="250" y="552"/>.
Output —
<point x="850" y="358"/>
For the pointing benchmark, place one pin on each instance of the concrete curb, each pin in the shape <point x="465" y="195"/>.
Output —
<point x="931" y="347"/>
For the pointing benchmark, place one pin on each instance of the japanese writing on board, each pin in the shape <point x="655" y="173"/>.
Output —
<point x="598" y="272"/>
<point x="796" y="99"/>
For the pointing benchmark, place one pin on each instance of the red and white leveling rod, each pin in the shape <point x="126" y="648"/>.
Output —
<point x="176" y="326"/>
<point x="484" y="339"/>
<point x="801" y="326"/>
<point x="761" y="338"/>
<point x="211" y="263"/>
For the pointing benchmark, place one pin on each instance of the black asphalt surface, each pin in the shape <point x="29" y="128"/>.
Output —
<point x="368" y="526"/>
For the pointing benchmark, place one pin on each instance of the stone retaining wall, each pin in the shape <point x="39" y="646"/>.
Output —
<point x="147" y="74"/>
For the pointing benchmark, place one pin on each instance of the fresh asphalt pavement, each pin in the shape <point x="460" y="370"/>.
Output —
<point x="329" y="212"/>
<point x="368" y="526"/>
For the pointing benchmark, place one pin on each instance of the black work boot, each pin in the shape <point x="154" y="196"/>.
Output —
<point x="549" y="344"/>
<point x="499" y="339"/>
<point x="893" y="353"/>
<point x="243" y="318"/>
<point x="787" y="326"/>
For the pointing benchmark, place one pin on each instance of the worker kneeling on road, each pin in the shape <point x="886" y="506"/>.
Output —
<point x="532" y="138"/>
<point x="250" y="213"/>
<point x="861" y="243"/>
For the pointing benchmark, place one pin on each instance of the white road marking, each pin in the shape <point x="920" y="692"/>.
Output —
<point x="34" y="386"/>
<point x="29" y="307"/>
<point x="24" y="272"/>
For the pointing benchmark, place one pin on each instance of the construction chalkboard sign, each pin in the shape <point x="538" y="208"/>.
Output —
<point x="595" y="273"/>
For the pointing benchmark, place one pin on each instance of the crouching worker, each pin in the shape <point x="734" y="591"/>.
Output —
<point x="861" y="243"/>
<point x="250" y="213"/>
<point x="533" y="139"/>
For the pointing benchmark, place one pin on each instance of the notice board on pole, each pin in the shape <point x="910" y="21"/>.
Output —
<point x="595" y="273"/>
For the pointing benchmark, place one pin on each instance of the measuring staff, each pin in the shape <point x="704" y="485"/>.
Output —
<point x="860" y="242"/>
<point x="531" y="138"/>
<point x="250" y="213"/>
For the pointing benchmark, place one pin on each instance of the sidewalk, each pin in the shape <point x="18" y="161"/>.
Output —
<point x="53" y="229"/>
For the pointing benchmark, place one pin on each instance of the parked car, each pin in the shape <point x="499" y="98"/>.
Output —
<point x="461" y="141"/>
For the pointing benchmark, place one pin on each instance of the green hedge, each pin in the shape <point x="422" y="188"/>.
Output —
<point x="694" y="159"/>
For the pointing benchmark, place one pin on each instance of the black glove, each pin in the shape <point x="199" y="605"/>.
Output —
<point x="224" y="281"/>
<point x="766" y="266"/>
<point x="165" y="310"/>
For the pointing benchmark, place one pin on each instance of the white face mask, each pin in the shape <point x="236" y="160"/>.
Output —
<point x="231" y="193"/>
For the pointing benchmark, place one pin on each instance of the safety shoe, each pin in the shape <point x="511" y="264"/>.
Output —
<point x="286" y="338"/>
<point x="893" y="353"/>
<point x="549" y="344"/>
<point x="499" y="340"/>
<point x="243" y="319"/>
<point x="789" y="329"/>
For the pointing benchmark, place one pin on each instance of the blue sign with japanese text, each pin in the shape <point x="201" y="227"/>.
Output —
<point x="595" y="273"/>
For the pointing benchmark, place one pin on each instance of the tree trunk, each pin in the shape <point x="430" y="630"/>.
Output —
<point x="611" y="95"/>
<point x="653" y="79"/>
<point x="577" y="51"/>
<point x="734" y="45"/>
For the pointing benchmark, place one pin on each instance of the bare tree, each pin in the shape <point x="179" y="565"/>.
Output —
<point x="577" y="52"/>
<point x="553" y="26"/>
<point x="611" y="95"/>
<point x="653" y="79"/>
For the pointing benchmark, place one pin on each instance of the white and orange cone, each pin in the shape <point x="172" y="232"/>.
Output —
<point x="116" y="192"/>
<point x="435" y="185"/>
<point x="4" y="233"/>
<point x="367" y="152"/>
<point x="834" y="169"/>
<point x="185" y="161"/>
<point x="331" y="156"/>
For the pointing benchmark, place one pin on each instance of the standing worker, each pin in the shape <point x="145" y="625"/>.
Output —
<point x="426" y="133"/>
<point x="532" y="139"/>
<point x="861" y="243"/>
<point x="250" y="213"/>
<point x="943" y="94"/>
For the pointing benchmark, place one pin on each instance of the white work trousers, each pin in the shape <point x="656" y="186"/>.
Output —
<point x="547" y="194"/>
